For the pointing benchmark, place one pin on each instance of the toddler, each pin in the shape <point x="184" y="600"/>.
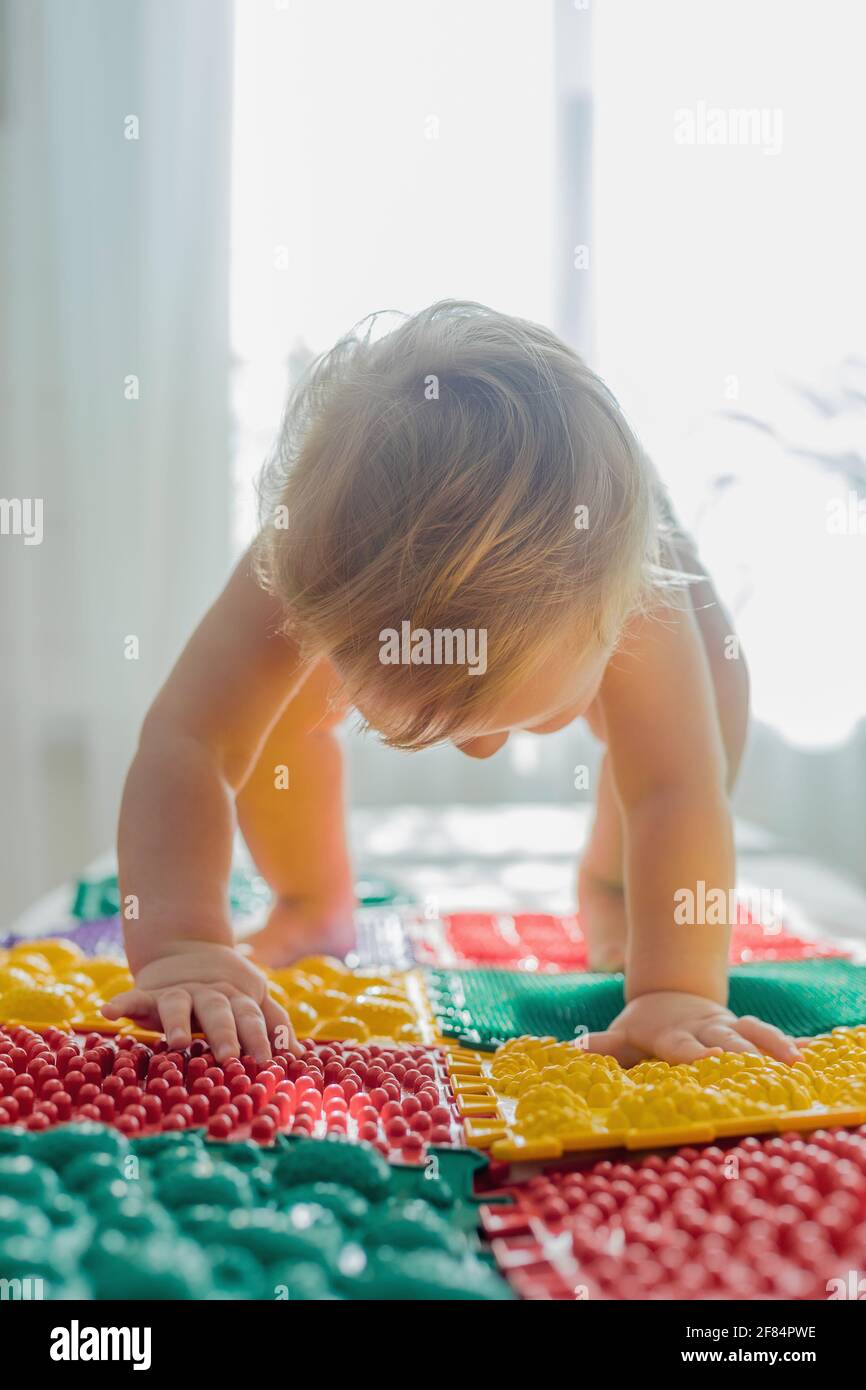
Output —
<point x="461" y="538"/>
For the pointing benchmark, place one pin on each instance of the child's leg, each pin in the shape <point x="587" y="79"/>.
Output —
<point x="599" y="881"/>
<point x="296" y="833"/>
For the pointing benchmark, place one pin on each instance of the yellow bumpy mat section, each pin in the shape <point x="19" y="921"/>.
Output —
<point x="538" y="1099"/>
<point x="52" y="984"/>
<point x="326" y="1000"/>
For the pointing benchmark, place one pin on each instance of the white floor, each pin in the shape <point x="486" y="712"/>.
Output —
<point x="524" y="856"/>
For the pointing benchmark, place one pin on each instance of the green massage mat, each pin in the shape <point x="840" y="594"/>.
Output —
<point x="485" y="1007"/>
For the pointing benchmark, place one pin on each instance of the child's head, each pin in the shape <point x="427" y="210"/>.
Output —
<point x="466" y="523"/>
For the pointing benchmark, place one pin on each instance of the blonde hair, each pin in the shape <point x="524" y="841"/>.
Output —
<point x="435" y="475"/>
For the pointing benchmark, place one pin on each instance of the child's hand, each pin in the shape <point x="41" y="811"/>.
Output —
<point x="684" y="1027"/>
<point x="225" y="994"/>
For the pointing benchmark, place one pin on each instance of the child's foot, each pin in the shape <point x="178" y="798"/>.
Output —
<point x="295" y="929"/>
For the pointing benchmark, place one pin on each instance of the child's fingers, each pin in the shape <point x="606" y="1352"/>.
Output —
<point x="251" y="1028"/>
<point x="133" y="1003"/>
<point x="682" y="1045"/>
<point x="769" y="1038"/>
<point x="217" y="1021"/>
<point x="727" y="1037"/>
<point x="612" y="1043"/>
<point x="174" y="1007"/>
<point x="279" y="1027"/>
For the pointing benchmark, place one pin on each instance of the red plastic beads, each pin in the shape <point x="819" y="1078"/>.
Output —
<point x="775" y="1218"/>
<point x="397" y="1098"/>
<point x="544" y="941"/>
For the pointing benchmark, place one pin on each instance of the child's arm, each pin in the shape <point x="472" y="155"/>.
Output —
<point x="198" y="744"/>
<point x="668" y="767"/>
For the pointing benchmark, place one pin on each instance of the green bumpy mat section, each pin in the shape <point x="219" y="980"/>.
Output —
<point x="483" y="1008"/>
<point x="100" y="897"/>
<point x="91" y="1214"/>
<point x="248" y="893"/>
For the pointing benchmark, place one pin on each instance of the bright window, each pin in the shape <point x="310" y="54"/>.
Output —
<point x="385" y="155"/>
<point x="729" y="281"/>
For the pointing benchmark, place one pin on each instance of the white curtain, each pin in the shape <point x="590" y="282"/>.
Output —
<point x="115" y="149"/>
